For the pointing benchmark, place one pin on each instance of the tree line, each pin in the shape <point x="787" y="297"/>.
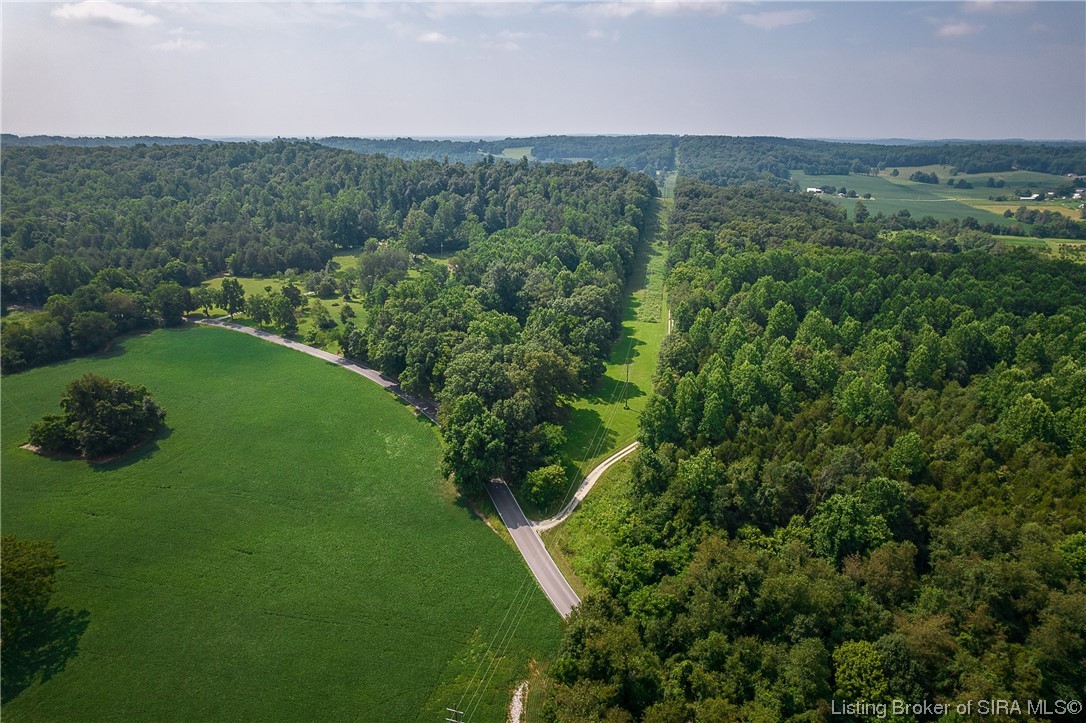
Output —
<point x="860" y="478"/>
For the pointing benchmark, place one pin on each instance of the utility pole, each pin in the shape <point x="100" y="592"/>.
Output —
<point x="458" y="716"/>
<point x="625" y="398"/>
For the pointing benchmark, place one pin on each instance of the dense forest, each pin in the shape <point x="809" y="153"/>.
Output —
<point x="723" y="160"/>
<point x="519" y="318"/>
<point x="861" y="477"/>
<point x="727" y="160"/>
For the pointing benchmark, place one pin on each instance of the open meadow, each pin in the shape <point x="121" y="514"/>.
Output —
<point x="285" y="551"/>
<point x="892" y="195"/>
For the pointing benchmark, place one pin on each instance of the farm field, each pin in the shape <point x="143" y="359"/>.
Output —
<point x="285" y="551"/>
<point x="891" y="196"/>
<point x="598" y="423"/>
<point x="516" y="154"/>
<point x="999" y="207"/>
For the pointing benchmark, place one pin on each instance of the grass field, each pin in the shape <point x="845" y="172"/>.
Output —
<point x="1060" y="208"/>
<point x="890" y="196"/>
<point x="286" y="551"/>
<point x="598" y="423"/>
<point x="581" y="546"/>
<point x="517" y="153"/>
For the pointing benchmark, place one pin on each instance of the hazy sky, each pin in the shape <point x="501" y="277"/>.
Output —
<point x="814" y="69"/>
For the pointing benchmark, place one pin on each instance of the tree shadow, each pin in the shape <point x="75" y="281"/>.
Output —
<point x="136" y="454"/>
<point x="42" y="648"/>
<point x="611" y="390"/>
<point x="586" y="426"/>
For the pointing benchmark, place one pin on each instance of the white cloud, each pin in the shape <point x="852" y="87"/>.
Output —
<point x="104" y="12"/>
<point x="956" y="29"/>
<point x="774" y="19"/>
<point x="183" y="45"/>
<point x="999" y="7"/>
<point x="435" y="37"/>
<point x="657" y="8"/>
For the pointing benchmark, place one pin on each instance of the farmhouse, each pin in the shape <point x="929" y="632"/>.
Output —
<point x="815" y="191"/>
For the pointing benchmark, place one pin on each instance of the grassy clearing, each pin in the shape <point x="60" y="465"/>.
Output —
<point x="306" y="323"/>
<point x="891" y="196"/>
<point x="517" y="153"/>
<point x="598" y="423"/>
<point x="285" y="552"/>
<point x="1060" y="208"/>
<point x="347" y="259"/>
<point x="1071" y="249"/>
<point x="582" y="546"/>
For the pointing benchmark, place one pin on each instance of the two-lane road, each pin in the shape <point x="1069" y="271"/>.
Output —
<point x="531" y="548"/>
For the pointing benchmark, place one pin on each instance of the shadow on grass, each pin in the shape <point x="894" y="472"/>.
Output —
<point x="41" y="649"/>
<point x="133" y="455"/>
<point x="611" y="391"/>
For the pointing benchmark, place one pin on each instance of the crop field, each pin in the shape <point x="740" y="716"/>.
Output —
<point x="599" y="423"/>
<point x="285" y="551"/>
<point x="891" y="196"/>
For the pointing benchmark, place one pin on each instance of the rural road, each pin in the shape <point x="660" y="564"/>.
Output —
<point x="584" y="489"/>
<point x="531" y="548"/>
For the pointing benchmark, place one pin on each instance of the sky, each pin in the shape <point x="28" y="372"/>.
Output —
<point x="925" y="70"/>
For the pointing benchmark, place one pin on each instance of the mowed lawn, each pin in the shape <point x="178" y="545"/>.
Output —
<point x="286" y="551"/>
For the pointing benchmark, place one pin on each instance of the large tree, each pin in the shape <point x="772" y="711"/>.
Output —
<point x="101" y="417"/>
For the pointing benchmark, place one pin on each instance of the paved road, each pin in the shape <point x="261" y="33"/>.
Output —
<point x="586" y="487"/>
<point x="531" y="548"/>
<point x="426" y="406"/>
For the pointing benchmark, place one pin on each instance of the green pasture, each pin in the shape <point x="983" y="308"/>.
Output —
<point x="285" y="551"/>
<point x="1014" y="179"/>
<point x="599" y="423"/>
<point x="891" y="196"/>
<point x="517" y="153"/>
<point x="347" y="259"/>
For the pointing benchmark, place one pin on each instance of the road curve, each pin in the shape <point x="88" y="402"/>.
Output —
<point x="585" y="488"/>
<point x="532" y="549"/>
<point x="426" y="406"/>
